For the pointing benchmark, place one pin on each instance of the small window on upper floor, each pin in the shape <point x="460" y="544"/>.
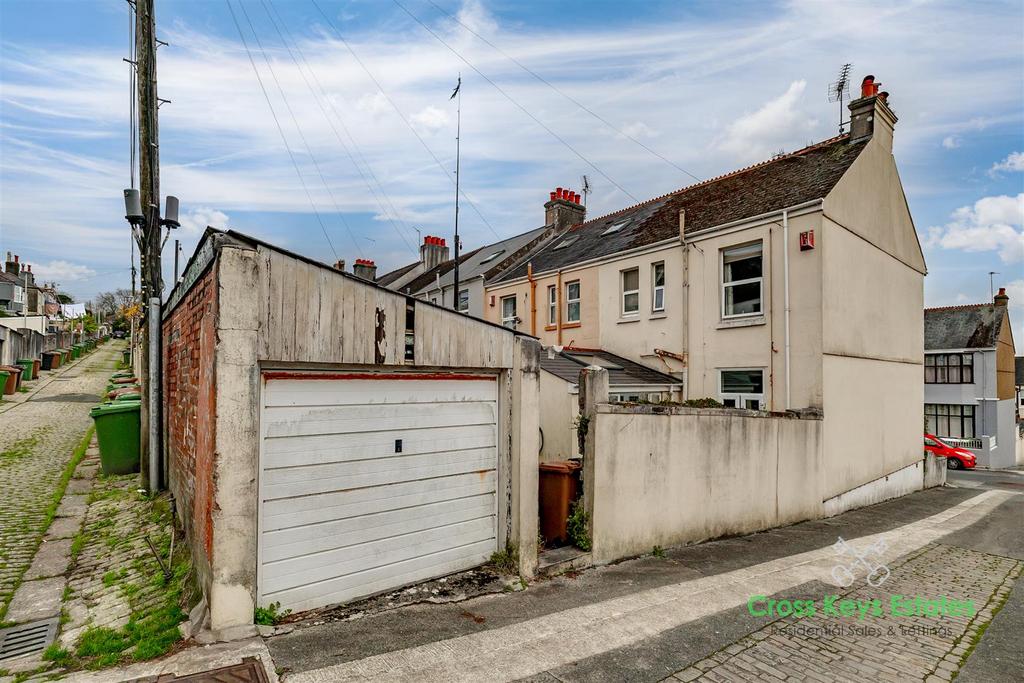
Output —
<point x="742" y="280"/>
<point x="630" y="291"/>
<point x="567" y="241"/>
<point x="658" y="287"/>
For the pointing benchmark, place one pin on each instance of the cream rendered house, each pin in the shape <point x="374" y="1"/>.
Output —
<point x="795" y="284"/>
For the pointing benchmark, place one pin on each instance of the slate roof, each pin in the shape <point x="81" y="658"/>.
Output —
<point x="474" y="265"/>
<point x="791" y="179"/>
<point x="389" y="277"/>
<point x="428" y="277"/>
<point x="975" y="326"/>
<point x="9" y="277"/>
<point x="621" y="371"/>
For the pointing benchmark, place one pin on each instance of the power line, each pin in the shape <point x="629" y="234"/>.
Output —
<point x="327" y="117"/>
<point x="402" y="116"/>
<point x="561" y="92"/>
<point x="517" y="104"/>
<point x="298" y="128"/>
<point x="280" y="130"/>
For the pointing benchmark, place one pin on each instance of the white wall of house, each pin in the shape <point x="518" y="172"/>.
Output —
<point x="636" y="335"/>
<point x="444" y="296"/>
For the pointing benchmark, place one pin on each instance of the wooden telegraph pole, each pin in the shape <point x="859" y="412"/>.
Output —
<point x="149" y="247"/>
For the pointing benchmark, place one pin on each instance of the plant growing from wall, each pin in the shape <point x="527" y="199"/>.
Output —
<point x="581" y="424"/>
<point x="506" y="561"/>
<point x="702" y="403"/>
<point x="579" y="526"/>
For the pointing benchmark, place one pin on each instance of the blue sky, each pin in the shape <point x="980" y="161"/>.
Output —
<point x="709" y="86"/>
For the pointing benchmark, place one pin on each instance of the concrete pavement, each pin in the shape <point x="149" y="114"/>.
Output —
<point x="653" y="617"/>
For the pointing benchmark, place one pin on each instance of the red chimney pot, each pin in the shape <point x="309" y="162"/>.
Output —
<point x="558" y="195"/>
<point x="868" y="87"/>
<point x="552" y="196"/>
<point x="15" y="258"/>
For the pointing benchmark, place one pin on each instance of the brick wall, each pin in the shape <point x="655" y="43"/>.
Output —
<point x="189" y="336"/>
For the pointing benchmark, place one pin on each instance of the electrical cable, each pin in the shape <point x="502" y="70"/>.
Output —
<point x="327" y="117"/>
<point x="517" y="104"/>
<point x="298" y="128"/>
<point x="402" y="116"/>
<point x="562" y="93"/>
<point x="280" y="130"/>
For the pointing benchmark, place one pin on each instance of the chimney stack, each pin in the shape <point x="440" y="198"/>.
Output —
<point x="870" y="115"/>
<point x="366" y="269"/>
<point x="1001" y="299"/>
<point x="340" y="265"/>
<point x="563" y="209"/>
<point x="433" y="252"/>
<point x="12" y="266"/>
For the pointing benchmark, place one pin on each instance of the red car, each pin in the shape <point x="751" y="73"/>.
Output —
<point x="956" y="458"/>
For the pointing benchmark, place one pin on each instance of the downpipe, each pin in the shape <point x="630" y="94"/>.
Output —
<point x="785" y="297"/>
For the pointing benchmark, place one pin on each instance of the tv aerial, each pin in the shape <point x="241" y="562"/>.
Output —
<point x="840" y="90"/>
<point x="585" y="184"/>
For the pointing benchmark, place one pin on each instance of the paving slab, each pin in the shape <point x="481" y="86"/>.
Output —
<point x="36" y="600"/>
<point x="63" y="527"/>
<point x="51" y="559"/>
<point x="73" y="506"/>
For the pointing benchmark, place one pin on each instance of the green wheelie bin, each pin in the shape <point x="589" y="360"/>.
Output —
<point x="117" y="430"/>
<point x="29" y="366"/>
<point x="3" y="377"/>
<point x="76" y="350"/>
<point x="65" y="356"/>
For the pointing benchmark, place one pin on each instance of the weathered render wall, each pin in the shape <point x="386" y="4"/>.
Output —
<point x="279" y="311"/>
<point x="190" y="404"/>
<point x="717" y="343"/>
<point x="670" y="476"/>
<point x="558" y="411"/>
<point x="873" y="324"/>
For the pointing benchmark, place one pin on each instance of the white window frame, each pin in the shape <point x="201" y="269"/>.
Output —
<point x="552" y="304"/>
<point x="741" y="399"/>
<point x="725" y="285"/>
<point x="459" y="301"/>
<point x="505" y="321"/>
<point x="623" y="292"/>
<point x="569" y="301"/>
<point x="657" y="289"/>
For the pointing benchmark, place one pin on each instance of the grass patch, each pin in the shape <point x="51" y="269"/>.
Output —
<point x="21" y="448"/>
<point x="506" y="561"/>
<point x="152" y="629"/>
<point x="55" y="498"/>
<point x="270" y="615"/>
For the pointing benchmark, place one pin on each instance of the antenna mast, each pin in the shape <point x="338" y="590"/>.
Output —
<point x="840" y="90"/>
<point x="585" y="182"/>
<point x="458" y="145"/>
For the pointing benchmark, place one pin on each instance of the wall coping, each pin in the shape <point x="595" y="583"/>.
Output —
<point x="667" y="409"/>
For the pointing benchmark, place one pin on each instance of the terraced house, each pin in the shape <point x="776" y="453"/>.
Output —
<point x="794" y="284"/>
<point x="969" y="373"/>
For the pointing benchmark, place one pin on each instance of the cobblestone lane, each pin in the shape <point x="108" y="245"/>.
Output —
<point x="37" y="439"/>
<point x="883" y="648"/>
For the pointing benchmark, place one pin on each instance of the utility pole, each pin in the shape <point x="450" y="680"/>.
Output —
<point x="149" y="247"/>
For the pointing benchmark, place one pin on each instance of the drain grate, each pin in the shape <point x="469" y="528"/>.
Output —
<point x="27" y="639"/>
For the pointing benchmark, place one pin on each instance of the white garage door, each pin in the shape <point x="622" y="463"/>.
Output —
<point x="370" y="482"/>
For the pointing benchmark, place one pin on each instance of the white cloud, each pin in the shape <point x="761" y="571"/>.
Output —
<point x="430" y="119"/>
<point x="951" y="142"/>
<point x="475" y="16"/>
<point x="778" y="124"/>
<point x="199" y="218"/>
<point x="1014" y="162"/>
<point x="638" y="130"/>
<point x="1015" y="290"/>
<point x="991" y="224"/>
<point x="61" y="271"/>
